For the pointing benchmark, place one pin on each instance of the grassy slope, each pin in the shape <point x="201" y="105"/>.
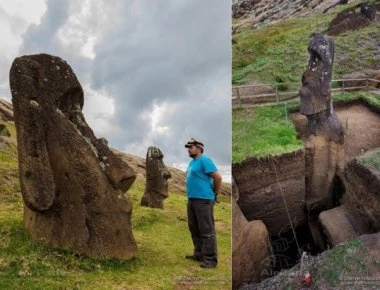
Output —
<point x="162" y="237"/>
<point x="372" y="160"/>
<point x="279" y="51"/>
<point x="261" y="131"/>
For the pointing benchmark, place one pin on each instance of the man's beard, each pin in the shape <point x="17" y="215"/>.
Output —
<point x="192" y="155"/>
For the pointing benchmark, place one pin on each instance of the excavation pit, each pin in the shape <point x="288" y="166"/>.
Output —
<point x="264" y="183"/>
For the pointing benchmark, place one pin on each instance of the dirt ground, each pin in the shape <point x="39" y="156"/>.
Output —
<point x="361" y="125"/>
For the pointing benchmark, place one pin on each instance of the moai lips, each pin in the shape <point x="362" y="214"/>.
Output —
<point x="72" y="184"/>
<point x="157" y="175"/>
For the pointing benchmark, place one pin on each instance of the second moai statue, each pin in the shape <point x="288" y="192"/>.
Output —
<point x="157" y="175"/>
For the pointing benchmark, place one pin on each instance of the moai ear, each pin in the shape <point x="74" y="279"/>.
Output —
<point x="36" y="176"/>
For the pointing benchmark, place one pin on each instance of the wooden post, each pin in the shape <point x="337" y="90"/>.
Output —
<point x="276" y="93"/>
<point x="238" y="96"/>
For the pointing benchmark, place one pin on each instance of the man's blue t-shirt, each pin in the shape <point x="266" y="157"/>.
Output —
<point x="199" y="184"/>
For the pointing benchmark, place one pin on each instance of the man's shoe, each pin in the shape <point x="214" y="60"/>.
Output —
<point x="208" y="265"/>
<point x="195" y="258"/>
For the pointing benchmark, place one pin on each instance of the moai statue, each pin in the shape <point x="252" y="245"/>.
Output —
<point x="157" y="175"/>
<point x="315" y="93"/>
<point x="72" y="184"/>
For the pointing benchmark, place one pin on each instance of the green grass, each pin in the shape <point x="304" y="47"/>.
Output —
<point x="162" y="237"/>
<point x="340" y="261"/>
<point x="262" y="131"/>
<point x="327" y="269"/>
<point x="372" y="159"/>
<point x="279" y="51"/>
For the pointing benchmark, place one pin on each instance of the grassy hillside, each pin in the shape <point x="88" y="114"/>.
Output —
<point x="261" y="131"/>
<point x="161" y="235"/>
<point x="278" y="52"/>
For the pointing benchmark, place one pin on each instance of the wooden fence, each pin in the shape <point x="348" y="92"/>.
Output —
<point x="274" y="93"/>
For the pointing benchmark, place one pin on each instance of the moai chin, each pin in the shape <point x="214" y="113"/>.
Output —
<point x="72" y="184"/>
<point x="315" y="93"/>
<point x="157" y="175"/>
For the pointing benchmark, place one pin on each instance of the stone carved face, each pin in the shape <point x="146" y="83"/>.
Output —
<point x="315" y="92"/>
<point x="157" y="172"/>
<point x="157" y="175"/>
<point x="72" y="183"/>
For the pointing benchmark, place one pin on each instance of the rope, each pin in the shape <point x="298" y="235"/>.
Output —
<point x="286" y="207"/>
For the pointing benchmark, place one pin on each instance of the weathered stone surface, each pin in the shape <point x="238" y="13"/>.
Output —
<point x="157" y="175"/>
<point x="252" y="258"/>
<point x="339" y="225"/>
<point x="315" y="93"/>
<point x="260" y="195"/>
<point x="72" y="184"/>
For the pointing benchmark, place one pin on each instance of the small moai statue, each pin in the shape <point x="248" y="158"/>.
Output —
<point x="157" y="175"/>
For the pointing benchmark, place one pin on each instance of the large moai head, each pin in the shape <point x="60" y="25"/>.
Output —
<point x="157" y="175"/>
<point x="315" y="93"/>
<point x="72" y="184"/>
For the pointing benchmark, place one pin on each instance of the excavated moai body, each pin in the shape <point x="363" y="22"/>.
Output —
<point x="157" y="175"/>
<point x="324" y="146"/>
<point x="72" y="184"/>
<point x="315" y="93"/>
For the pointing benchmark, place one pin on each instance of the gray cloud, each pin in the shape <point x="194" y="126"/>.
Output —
<point x="177" y="54"/>
<point x="172" y="54"/>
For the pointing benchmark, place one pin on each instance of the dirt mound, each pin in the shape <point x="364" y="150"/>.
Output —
<point x="353" y="79"/>
<point x="354" y="18"/>
<point x="361" y="125"/>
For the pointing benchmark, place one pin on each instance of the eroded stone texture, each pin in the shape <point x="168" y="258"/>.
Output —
<point x="315" y="93"/>
<point x="157" y="175"/>
<point x="72" y="184"/>
<point x="252" y="255"/>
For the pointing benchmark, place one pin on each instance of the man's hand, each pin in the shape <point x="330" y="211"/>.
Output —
<point x="217" y="177"/>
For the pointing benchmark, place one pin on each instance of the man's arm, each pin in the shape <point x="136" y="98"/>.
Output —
<point x="217" y="177"/>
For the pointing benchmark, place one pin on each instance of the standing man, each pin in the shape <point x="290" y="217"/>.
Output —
<point x="203" y="182"/>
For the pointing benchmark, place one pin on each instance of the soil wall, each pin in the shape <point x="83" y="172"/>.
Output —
<point x="260" y="195"/>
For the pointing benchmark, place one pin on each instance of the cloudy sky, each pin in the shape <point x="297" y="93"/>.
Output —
<point x="153" y="72"/>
